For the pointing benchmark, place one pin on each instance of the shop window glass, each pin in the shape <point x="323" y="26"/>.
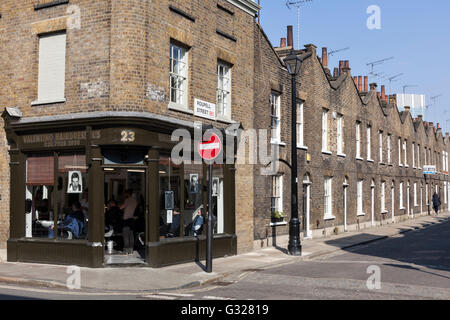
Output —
<point x="72" y="196"/>
<point x="170" y="198"/>
<point x="39" y="214"/>
<point x="195" y="200"/>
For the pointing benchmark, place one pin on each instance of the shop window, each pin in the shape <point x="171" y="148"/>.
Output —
<point x="63" y="202"/>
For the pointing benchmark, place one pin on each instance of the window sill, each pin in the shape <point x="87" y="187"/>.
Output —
<point x="277" y="224"/>
<point x="360" y="159"/>
<point x="279" y="143"/>
<point x="179" y="108"/>
<point x="390" y="165"/>
<point x="342" y="155"/>
<point x="327" y="152"/>
<point x="382" y="163"/>
<point x="384" y="212"/>
<point x="302" y="148"/>
<point x="326" y="218"/>
<point x="400" y="165"/>
<point x="43" y="102"/>
<point x="370" y="160"/>
<point x="225" y="120"/>
<point x="360" y="214"/>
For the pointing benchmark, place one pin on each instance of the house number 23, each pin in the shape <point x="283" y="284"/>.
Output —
<point x="128" y="136"/>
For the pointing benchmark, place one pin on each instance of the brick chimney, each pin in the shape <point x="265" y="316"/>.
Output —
<point x="383" y="92"/>
<point x="360" y="84"/>
<point x="407" y="108"/>
<point x="366" y="84"/>
<point x="290" y="37"/>
<point x="336" y="72"/>
<point x="341" y="66"/>
<point x="346" y="67"/>
<point x="356" y="81"/>
<point x="373" y="87"/>
<point x="283" y="43"/>
<point x="325" y="57"/>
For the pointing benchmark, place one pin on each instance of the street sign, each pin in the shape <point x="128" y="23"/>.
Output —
<point x="210" y="150"/>
<point x="429" y="169"/>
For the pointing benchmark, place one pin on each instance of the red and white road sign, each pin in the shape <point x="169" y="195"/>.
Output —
<point x="210" y="150"/>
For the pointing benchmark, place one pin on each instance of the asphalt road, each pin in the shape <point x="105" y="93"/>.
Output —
<point x="414" y="265"/>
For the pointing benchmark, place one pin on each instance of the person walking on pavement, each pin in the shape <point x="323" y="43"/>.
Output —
<point x="436" y="202"/>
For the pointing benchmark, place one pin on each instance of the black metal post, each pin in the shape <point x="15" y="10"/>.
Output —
<point x="209" y="236"/>
<point x="294" y="246"/>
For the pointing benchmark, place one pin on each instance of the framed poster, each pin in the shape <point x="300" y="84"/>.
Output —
<point x="75" y="184"/>
<point x="215" y="187"/>
<point x="193" y="186"/>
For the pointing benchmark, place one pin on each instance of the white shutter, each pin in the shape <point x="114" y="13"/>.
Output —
<point x="52" y="68"/>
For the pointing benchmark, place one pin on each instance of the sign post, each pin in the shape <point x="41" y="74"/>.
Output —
<point x="428" y="170"/>
<point x="209" y="151"/>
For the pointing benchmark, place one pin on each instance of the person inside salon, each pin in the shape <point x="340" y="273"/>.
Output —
<point x="73" y="222"/>
<point x="128" y="207"/>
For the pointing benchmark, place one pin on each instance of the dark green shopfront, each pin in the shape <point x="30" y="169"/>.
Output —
<point x="57" y="162"/>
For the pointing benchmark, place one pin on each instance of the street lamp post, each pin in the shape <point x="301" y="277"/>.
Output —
<point x="293" y="63"/>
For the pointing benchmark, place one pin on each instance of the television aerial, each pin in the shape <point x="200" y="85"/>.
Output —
<point x="378" y="62"/>
<point x="408" y="86"/>
<point x="393" y="79"/>
<point x="298" y="4"/>
<point x="336" y="51"/>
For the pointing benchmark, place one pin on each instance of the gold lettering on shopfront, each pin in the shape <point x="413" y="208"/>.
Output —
<point x="60" y="139"/>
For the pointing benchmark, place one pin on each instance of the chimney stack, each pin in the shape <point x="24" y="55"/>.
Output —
<point x="360" y="84"/>
<point x="356" y="81"/>
<point x="283" y="43"/>
<point x="290" y="37"/>
<point x="341" y="67"/>
<point x="325" y="57"/>
<point x="407" y="108"/>
<point x="366" y="84"/>
<point x="383" y="92"/>
<point x="373" y="87"/>
<point x="336" y="72"/>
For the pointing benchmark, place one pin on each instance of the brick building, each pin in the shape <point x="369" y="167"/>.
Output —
<point x="97" y="87"/>
<point x="361" y="161"/>
<point x="92" y="90"/>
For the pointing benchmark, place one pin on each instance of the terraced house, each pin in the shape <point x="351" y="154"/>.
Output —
<point x="92" y="90"/>
<point x="360" y="160"/>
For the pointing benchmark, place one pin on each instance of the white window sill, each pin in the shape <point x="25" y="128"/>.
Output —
<point x="400" y="165"/>
<point x="180" y="108"/>
<point x="384" y="212"/>
<point x="225" y="120"/>
<point x="279" y="143"/>
<point x="359" y="158"/>
<point x="402" y="208"/>
<point x="370" y="160"/>
<point x="382" y="163"/>
<point x="326" y="218"/>
<point x="360" y="214"/>
<point x="406" y="166"/>
<point x="42" y="102"/>
<point x="342" y="155"/>
<point x="327" y="152"/>
<point x="302" y="147"/>
<point x="275" y="224"/>
<point x="390" y="165"/>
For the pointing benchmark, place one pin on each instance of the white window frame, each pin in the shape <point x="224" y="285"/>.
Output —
<point x="383" y="197"/>
<point x="389" y="148"/>
<point x="340" y="134"/>
<point x="275" y="108"/>
<point x="401" y="196"/>
<point x="300" y="125"/>
<point x="416" y="204"/>
<point x="358" y="140"/>
<point x="413" y="149"/>
<point x="359" y="197"/>
<point x="369" y="143"/>
<point x="380" y="142"/>
<point x="328" y="198"/>
<point x="277" y="193"/>
<point x="426" y="195"/>
<point x="400" y="152"/>
<point x="52" y="68"/>
<point x="418" y="157"/>
<point x="405" y="152"/>
<point x="223" y="90"/>
<point x="325" y="131"/>
<point x="178" y="77"/>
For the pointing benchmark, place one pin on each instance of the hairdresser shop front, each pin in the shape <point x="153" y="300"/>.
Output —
<point x="77" y="181"/>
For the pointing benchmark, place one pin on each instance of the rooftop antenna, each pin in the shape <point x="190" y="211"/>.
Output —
<point x="298" y="4"/>
<point x="375" y="63"/>
<point x="409" y="86"/>
<point x="435" y="98"/>
<point x="392" y="79"/>
<point x="336" y="51"/>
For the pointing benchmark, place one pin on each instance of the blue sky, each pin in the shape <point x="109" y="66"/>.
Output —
<point x="416" y="33"/>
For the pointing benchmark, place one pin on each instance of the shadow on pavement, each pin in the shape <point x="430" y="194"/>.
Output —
<point x="428" y="248"/>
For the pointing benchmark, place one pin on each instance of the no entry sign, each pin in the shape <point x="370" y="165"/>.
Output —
<point x="210" y="150"/>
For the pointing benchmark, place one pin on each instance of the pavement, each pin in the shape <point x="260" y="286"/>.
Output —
<point x="145" y="280"/>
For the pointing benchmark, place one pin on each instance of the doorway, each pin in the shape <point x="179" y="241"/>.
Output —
<point x="125" y="216"/>
<point x="307" y="233"/>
